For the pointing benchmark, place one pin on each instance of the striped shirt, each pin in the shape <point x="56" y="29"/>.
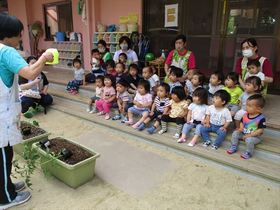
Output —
<point x="124" y="97"/>
<point x="161" y="104"/>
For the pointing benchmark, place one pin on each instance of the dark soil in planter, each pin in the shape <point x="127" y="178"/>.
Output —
<point x="35" y="131"/>
<point x="79" y="154"/>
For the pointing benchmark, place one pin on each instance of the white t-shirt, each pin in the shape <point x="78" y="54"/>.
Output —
<point x="152" y="82"/>
<point x="98" y="91"/>
<point x="213" y="89"/>
<point x="79" y="74"/>
<point x="155" y="78"/>
<point x="218" y="116"/>
<point x="198" y="111"/>
<point x="131" y="56"/>
<point x="143" y="99"/>
<point x="259" y="75"/>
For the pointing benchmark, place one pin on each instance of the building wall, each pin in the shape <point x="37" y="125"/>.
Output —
<point x="97" y="11"/>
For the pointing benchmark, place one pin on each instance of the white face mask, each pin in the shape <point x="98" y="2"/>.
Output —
<point x="124" y="46"/>
<point x="247" y="53"/>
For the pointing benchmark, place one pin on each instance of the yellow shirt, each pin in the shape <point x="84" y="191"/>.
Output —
<point x="234" y="94"/>
<point x="177" y="108"/>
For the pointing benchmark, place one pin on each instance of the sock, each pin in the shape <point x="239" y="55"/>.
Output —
<point x="163" y="125"/>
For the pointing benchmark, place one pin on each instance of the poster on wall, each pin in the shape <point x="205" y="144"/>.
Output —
<point x="171" y="15"/>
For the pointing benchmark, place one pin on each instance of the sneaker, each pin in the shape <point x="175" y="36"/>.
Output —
<point x="93" y="111"/>
<point x="162" y="131"/>
<point x="21" y="198"/>
<point x="181" y="140"/>
<point x="124" y="120"/>
<point x="232" y="149"/>
<point x="151" y="129"/>
<point x="89" y="110"/>
<point x="117" y="117"/>
<point x="214" y="147"/>
<point x="191" y="144"/>
<point x="246" y="155"/>
<point x="19" y="186"/>
<point x="176" y="136"/>
<point x="100" y="113"/>
<point x="207" y="143"/>
<point x="141" y="127"/>
<point x="107" y="116"/>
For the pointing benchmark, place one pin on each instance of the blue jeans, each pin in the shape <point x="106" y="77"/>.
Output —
<point x="188" y="126"/>
<point x="221" y="135"/>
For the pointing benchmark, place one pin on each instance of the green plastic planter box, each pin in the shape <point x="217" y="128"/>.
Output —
<point x="72" y="175"/>
<point x="19" y="148"/>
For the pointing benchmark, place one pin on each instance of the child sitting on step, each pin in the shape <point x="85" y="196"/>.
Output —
<point x="142" y="104"/>
<point x="217" y="120"/>
<point x="147" y="74"/>
<point x="107" y="98"/>
<point x="132" y="78"/>
<point x="175" y="74"/>
<point x="251" y="127"/>
<point x="159" y="107"/>
<point x="196" y="82"/>
<point x="215" y="84"/>
<point x="196" y="115"/>
<point x="176" y="111"/>
<point x="79" y="77"/>
<point x="99" y="81"/>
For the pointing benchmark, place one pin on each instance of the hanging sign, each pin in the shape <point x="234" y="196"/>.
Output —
<point x="171" y="15"/>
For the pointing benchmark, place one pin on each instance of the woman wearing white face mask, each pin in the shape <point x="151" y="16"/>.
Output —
<point x="250" y="52"/>
<point x="125" y="45"/>
<point x="102" y="48"/>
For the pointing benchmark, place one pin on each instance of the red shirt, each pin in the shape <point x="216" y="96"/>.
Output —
<point x="191" y="63"/>
<point x="266" y="68"/>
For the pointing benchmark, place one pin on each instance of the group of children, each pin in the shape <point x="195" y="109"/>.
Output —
<point x="189" y="104"/>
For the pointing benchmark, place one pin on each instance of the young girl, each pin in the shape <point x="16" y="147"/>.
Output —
<point x="109" y="94"/>
<point x="123" y="59"/>
<point x="98" y="94"/>
<point x="217" y="120"/>
<point x="176" y="111"/>
<point x="110" y="67"/>
<point x="142" y="104"/>
<point x="253" y="85"/>
<point x="215" y="84"/>
<point x="79" y="77"/>
<point x="232" y="87"/>
<point x="197" y="81"/>
<point x="132" y="78"/>
<point x="195" y="116"/>
<point x="159" y="107"/>
<point x="188" y="82"/>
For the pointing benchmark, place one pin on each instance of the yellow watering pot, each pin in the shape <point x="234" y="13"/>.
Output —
<point x="55" y="53"/>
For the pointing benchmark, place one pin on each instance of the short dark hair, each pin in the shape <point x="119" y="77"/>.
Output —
<point x="134" y="66"/>
<point x="181" y="36"/>
<point x="178" y="72"/>
<point x="220" y="75"/>
<point x="112" y="78"/>
<point x="201" y="78"/>
<point x="150" y="69"/>
<point x="202" y="94"/>
<point x="165" y="86"/>
<point x="10" y="26"/>
<point x="111" y="63"/>
<point x="95" y="50"/>
<point x="31" y="57"/>
<point x="233" y="76"/>
<point x="122" y="64"/>
<point x="77" y="60"/>
<point x="122" y="82"/>
<point x="101" y="41"/>
<point x="258" y="98"/>
<point x="179" y="92"/>
<point x="100" y="77"/>
<point x="255" y="81"/>
<point x="123" y="54"/>
<point x="250" y="41"/>
<point x="145" y="84"/>
<point x="127" y="39"/>
<point x="254" y="62"/>
<point x="224" y="95"/>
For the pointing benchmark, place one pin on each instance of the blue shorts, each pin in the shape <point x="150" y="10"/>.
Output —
<point x="138" y="111"/>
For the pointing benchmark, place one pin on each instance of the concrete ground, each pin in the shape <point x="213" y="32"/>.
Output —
<point x="132" y="174"/>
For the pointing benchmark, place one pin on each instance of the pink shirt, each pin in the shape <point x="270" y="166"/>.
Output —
<point x="143" y="99"/>
<point x="191" y="63"/>
<point x="108" y="92"/>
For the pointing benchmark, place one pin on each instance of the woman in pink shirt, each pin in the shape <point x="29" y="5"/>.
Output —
<point x="180" y="57"/>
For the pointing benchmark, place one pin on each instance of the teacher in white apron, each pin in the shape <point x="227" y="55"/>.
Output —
<point x="12" y="65"/>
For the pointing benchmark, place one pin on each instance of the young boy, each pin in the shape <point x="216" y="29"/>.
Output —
<point x="251" y="126"/>
<point x="123" y="99"/>
<point x="174" y="76"/>
<point x="98" y="92"/>
<point x="96" y="63"/>
<point x="120" y="68"/>
<point x="217" y="120"/>
<point x="110" y="67"/>
<point x="147" y="74"/>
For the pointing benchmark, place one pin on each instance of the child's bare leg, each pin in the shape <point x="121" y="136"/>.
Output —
<point x="144" y="117"/>
<point x="156" y="124"/>
<point x="147" y="120"/>
<point x="237" y="124"/>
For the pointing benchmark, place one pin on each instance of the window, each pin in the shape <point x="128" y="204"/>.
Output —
<point x="58" y="17"/>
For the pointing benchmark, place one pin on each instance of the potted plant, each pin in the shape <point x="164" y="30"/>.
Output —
<point x="31" y="132"/>
<point x="68" y="161"/>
